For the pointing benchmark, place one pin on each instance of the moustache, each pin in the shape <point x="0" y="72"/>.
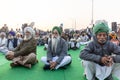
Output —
<point x="102" y="41"/>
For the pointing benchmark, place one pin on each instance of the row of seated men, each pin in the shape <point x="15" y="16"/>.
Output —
<point x="25" y="53"/>
<point x="10" y="42"/>
<point x="97" y="55"/>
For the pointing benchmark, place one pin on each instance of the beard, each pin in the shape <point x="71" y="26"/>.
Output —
<point x="55" y="41"/>
<point x="26" y="38"/>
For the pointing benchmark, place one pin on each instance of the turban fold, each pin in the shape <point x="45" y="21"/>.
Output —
<point x="57" y="28"/>
<point x="100" y="27"/>
<point x="29" y="29"/>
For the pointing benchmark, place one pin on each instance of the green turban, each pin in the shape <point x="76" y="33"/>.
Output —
<point x="100" y="27"/>
<point x="57" y="28"/>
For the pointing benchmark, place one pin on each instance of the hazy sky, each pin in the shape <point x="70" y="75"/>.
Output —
<point x="49" y="13"/>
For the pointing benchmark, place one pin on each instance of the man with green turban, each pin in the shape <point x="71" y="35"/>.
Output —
<point x="97" y="55"/>
<point x="57" y="51"/>
<point x="100" y="27"/>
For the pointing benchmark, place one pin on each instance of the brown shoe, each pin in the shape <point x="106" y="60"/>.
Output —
<point x="14" y="65"/>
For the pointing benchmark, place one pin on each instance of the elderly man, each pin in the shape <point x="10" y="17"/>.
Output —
<point x="25" y="53"/>
<point x="3" y="43"/>
<point x="57" y="51"/>
<point x="97" y="55"/>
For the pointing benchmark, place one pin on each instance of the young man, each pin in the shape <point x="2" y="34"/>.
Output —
<point x="25" y="53"/>
<point x="97" y="55"/>
<point x="57" y="51"/>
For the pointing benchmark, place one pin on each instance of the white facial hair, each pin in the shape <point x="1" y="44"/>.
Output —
<point x="55" y="41"/>
<point x="26" y="38"/>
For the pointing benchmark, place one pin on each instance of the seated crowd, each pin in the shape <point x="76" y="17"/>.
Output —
<point x="100" y="57"/>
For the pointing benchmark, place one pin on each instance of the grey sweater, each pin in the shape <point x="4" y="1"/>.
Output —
<point x="61" y="50"/>
<point x="94" y="51"/>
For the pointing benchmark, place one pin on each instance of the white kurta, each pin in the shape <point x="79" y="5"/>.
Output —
<point x="3" y="45"/>
<point x="100" y="72"/>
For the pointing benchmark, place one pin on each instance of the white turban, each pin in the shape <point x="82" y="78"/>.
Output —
<point x="3" y="33"/>
<point x="29" y="29"/>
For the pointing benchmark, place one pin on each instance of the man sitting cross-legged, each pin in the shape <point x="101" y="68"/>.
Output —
<point x="25" y="53"/>
<point x="57" y="51"/>
<point x="98" y="59"/>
